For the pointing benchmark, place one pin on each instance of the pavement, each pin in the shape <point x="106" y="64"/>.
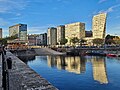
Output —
<point x="20" y="70"/>
<point x="1" y="72"/>
<point x="22" y="77"/>
<point x="47" y="51"/>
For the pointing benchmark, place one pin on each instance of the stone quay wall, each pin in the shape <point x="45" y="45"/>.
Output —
<point x="22" y="77"/>
<point x="1" y="88"/>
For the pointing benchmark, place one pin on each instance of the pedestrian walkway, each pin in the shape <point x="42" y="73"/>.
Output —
<point x="22" y="77"/>
<point x="53" y="51"/>
<point x="1" y="72"/>
<point x="47" y="51"/>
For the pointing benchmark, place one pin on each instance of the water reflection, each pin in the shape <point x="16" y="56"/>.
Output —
<point x="71" y="64"/>
<point x="77" y="65"/>
<point x="99" y="69"/>
<point x="25" y="59"/>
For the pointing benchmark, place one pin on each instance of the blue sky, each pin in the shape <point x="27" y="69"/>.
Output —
<point x="41" y="14"/>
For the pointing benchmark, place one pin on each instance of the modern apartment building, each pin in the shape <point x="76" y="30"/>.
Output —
<point x="20" y="30"/>
<point x="60" y="33"/>
<point x="74" y="30"/>
<point x="0" y="32"/>
<point x="99" y="25"/>
<point x="41" y="39"/>
<point x="52" y="36"/>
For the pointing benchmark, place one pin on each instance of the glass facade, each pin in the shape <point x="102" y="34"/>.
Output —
<point x="20" y="30"/>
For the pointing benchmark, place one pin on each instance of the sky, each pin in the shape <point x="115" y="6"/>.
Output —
<point x="42" y="14"/>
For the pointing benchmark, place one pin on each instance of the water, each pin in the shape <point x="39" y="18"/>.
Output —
<point x="79" y="73"/>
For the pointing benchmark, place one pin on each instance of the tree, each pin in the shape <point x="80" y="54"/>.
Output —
<point x="109" y="39"/>
<point x="98" y="41"/>
<point x="63" y="41"/>
<point x="116" y="40"/>
<point x="12" y="37"/>
<point x="74" y="40"/>
<point x="82" y="41"/>
<point x="3" y="41"/>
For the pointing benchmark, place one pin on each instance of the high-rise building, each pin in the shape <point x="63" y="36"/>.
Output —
<point x="19" y="30"/>
<point x="74" y="30"/>
<point x="41" y="39"/>
<point x="60" y="33"/>
<point x="52" y="36"/>
<point x="99" y="25"/>
<point x="0" y="32"/>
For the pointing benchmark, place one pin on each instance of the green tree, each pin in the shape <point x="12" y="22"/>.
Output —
<point x="74" y="40"/>
<point x="98" y="41"/>
<point x="109" y="39"/>
<point x="82" y="41"/>
<point x="3" y="41"/>
<point x="63" y="41"/>
<point x="117" y="41"/>
<point x="12" y="37"/>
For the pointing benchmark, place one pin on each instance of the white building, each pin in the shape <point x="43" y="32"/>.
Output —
<point x="74" y="30"/>
<point x="99" y="25"/>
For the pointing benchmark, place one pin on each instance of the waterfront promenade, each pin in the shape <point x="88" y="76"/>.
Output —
<point x="22" y="77"/>
<point x="47" y="51"/>
<point x="1" y="72"/>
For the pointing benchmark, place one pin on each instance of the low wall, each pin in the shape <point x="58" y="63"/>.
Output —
<point x="22" y="77"/>
<point x="1" y="72"/>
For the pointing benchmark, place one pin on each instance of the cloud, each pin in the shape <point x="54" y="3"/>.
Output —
<point x="114" y="28"/>
<point x="8" y="5"/>
<point x="3" y="22"/>
<point x="51" y="1"/>
<point x="117" y="17"/>
<point x="5" y="32"/>
<point x="117" y="1"/>
<point x="117" y="28"/>
<point x="110" y="9"/>
<point x="101" y="1"/>
<point x="3" y="10"/>
<point x="39" y="29"/>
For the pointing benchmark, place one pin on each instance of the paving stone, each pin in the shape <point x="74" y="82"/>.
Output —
<point x="22" y="77"/>
<point x="1" y="72"/>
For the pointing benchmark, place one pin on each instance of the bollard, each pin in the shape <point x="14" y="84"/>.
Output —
<point x="4" y="52"/>
<point x="1" y="50"/>
<point x="9" y="63"/>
